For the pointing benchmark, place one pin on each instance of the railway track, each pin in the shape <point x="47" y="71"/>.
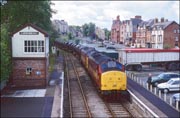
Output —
<point x="77" y="100"/>
<point x="84" y="101"/>
<point x="118" y="110"/>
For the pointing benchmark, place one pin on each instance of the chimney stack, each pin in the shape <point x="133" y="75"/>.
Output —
<point x="162" y="20"/>
<point x="118" y="17"/>
<point x="156" y="20"/>
<point x="138" y="17"/>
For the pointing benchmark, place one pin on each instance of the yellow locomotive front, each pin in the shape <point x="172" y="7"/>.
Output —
<point x="112" y="76"/>
<point x="113" y="80"/>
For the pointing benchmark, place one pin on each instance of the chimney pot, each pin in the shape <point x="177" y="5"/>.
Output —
<point x="156" y="20"/>
<point x="118" y="17"/>
<point x="138" y="17"/>
<point x="162" y="20"/>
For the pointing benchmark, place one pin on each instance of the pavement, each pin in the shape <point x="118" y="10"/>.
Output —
<point x="35" y="102"/>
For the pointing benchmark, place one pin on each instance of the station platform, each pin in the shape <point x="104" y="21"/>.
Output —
<point x="35" y="102"/>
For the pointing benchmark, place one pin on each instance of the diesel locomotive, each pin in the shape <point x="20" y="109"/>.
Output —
<point x="108" y="74"/>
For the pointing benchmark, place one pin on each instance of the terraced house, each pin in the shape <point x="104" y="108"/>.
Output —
<point x="143" y="34"/>
<point x="165" y="34"/>
<point x="124" y="31"/>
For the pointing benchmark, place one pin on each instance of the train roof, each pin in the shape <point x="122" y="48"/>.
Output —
<point x="98" y="57"/>
<point x="87" y="49"/>
<point x="102" y="59"/>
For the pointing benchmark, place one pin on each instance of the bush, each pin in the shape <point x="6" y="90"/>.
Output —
<point x="167" y="46"/>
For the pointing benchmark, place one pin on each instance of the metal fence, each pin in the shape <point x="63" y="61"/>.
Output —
<point x="153" y="90"/>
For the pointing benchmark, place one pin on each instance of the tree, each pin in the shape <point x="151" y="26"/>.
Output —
<point x="5" y="53"/>
<point x="92" y="30"/>
<point x="107" y="34"/>
<point x="15" y="14"/>
<point x="89" y="30"/>
<point x="85" y="29"/>
<point x="21" y="12"/>
<point x="70" y="35"/>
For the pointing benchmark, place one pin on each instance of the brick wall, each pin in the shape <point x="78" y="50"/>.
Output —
<point x="21" y="79"/>
<point x="169" y="35"/>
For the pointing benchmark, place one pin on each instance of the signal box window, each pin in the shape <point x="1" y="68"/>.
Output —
<point x="28" y="71"/>
<point x="33" y="46"/>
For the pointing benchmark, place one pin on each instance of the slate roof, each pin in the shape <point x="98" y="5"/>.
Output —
<point x="135" y="22"/>
<point x="148" y="23"/>
<point x="163" y="25"/>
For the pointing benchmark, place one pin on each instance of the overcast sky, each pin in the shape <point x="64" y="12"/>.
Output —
<point x="103" y="12"/>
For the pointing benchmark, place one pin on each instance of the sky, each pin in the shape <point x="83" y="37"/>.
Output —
<point x="102" y="13"/>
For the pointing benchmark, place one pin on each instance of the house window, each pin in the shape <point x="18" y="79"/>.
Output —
<point x="160" y="38"/>
<point x="178" y="31"/>
<point x="28" y="71"/>
<point x="175" y="31"/>
<point x="176" y="39"/>
<point x="33" y="46"/>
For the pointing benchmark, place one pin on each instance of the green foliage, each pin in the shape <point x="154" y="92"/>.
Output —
<point x="51" y="62"/>
<point x="64" y="38"/>
<point x="5" y="53"/>
<point x="89" y="30"/>
<point x="107" y="34"/>
<point x="85" y="29"/>
<point x="69" y="35"/>
<point x="167" y="46"/>
<point x="17" y="13"/>
<point x="92" y="30"/>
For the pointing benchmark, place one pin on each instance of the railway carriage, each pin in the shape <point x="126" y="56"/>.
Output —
<point x="84" y="55"/>
<point x="107" y="73"/>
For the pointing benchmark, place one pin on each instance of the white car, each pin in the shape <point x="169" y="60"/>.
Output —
<point x="171" y="85"/>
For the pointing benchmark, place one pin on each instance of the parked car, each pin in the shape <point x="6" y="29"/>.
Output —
<point x="176" y="97"/>
<point x="171" y="85"/>
<point x="163" y="77"/>
<point x="112" y="48"/>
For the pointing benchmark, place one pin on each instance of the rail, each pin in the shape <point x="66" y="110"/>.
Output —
<point x="80" y="87"/>
<point x="69" y="89"/>
<point x="82" y="92"/>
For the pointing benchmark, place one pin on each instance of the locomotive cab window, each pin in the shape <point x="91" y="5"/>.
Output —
<point x="111" y="65"/>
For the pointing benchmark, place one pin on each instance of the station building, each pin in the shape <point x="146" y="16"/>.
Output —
<point x="30" y="57"/>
